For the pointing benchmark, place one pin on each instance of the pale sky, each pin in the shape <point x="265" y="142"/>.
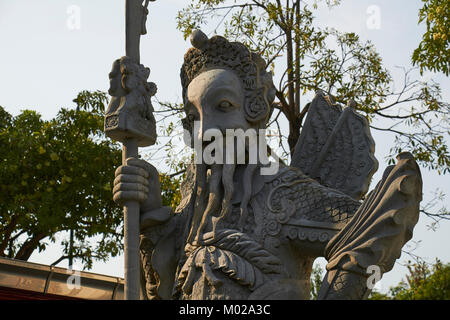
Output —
<point x="45" y="60"/>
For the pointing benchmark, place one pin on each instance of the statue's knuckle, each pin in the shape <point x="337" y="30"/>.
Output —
<point x="117" y="198"/>
<point x="118" y="171"/>
<point x="130" y="159"/>
<point x="119" y="194"/>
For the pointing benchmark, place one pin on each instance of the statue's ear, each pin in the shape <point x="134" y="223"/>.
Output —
<point x="256" y="106"/>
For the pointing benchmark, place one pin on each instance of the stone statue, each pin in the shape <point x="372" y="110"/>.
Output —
<point x="240" y="234"/>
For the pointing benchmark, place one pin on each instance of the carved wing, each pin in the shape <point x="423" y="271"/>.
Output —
<point x="376" y="234"/>
<point x="336" y="148"/>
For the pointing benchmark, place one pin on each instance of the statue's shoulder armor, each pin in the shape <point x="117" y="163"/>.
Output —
<point x="303" y="208"/>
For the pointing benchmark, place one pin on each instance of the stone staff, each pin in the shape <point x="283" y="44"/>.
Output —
<point x="129" y="119"/>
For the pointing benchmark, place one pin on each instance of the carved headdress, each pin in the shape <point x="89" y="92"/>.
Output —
<point x="250" y="67"/>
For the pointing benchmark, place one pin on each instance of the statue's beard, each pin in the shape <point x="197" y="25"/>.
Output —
<point x="215" y="186"/>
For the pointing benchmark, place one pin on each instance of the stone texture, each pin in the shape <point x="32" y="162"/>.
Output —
<point x="240" y="235"/>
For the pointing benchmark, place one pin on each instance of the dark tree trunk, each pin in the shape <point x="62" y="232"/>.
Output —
<point x="29" y="246"/>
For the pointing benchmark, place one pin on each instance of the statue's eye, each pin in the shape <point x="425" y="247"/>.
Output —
<point x="225" y="105"/>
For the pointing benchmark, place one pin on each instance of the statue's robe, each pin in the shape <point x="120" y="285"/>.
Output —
<point x="291" y="221"/>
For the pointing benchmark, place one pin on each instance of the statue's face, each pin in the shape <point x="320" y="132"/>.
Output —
<point x="216" y="99"/>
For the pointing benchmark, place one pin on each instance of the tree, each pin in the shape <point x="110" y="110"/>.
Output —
<point x="423" y="282"/>
<point x="312" y="58"/>
<point x="57" y="176"/>
<point x="433" y="52"/>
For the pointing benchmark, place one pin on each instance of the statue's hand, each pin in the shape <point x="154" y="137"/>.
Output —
<point x="137" y="180"/>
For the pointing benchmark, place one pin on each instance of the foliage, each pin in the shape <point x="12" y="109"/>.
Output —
<point x="433" y="52"/>
<point x="422" y="283"/>
<point x="57" y="176"/>
<point x="170" y="189"/>
<point x="316" y="281"/>
<point x="312" y="58"/>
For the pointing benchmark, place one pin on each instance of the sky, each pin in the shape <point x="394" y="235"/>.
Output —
<point x="52" y="49"/>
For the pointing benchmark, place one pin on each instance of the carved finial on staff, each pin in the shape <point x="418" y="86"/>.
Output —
<point x="129" y="119"/>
